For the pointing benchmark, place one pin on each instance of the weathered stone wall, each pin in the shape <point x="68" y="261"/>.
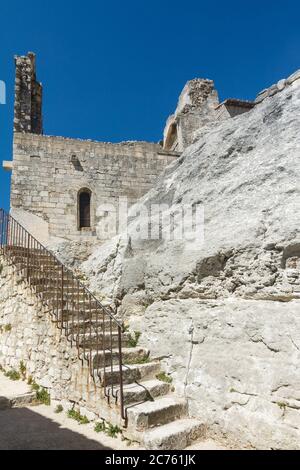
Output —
<point x="48" y="173"/>
<point x="28" y="334"/>
<point x="232" y="108"/>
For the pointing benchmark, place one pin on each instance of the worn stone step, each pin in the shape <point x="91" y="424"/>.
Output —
<point x="20" y="249"/>
<point x="156" y="413"/>
<point x="47" y="282"/>
<point x="56" y="285"/>
<point x="93" y="341"/>
<point x="21" y="400"/>
<point x="34" y="268"/>
<point x="132" y="373"/>
<point x="72" y="304"/>
<point x="89" y="324"/>
<point x="128" y="355"/>
<point x="176" y="435"/>
<point x="35" y="261"/>
<point x="145" y="391"/>
<point x="81" y="317"/>
<point x="78" y="297"/>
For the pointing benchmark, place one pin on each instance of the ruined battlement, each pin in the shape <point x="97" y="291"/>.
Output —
<point x="28" y="96"/>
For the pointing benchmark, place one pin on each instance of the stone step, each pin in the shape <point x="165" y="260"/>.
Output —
<point x="40" y="268"/>
<point x="68" y="289"/>
<point x="21" y="400"/>
<point x="48" y="282"/>
<point x="35" y="261"/>
<point x="176" y="435"/>
<point x="20" y="249"/>
<point x="145" y="391"/>
<point x="156" y="413"/>
<point x="100" y="341"/>
<point x="72" y="304"/>
<point x="129" y="355"/>
<point x="22" y="255"/>
<point x="78" y="297"/>
<point x="132" y="373"/>
<point x="89" y="325"/>
<point x="83" y="316"/>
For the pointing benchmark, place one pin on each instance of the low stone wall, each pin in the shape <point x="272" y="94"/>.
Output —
<point x="274" y="89"/>
<point x="28" y="334"/>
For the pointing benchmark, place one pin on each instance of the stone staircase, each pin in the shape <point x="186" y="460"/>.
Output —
<point x="152" y="413"/>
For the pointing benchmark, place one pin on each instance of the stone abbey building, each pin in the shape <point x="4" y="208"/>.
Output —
<point x="58" y="183"/>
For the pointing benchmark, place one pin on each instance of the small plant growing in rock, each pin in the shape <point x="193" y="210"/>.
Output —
<point x="7" y="328"/>
<point x="34" y="386"/>
<point x="99" y="427"/>
<point x="163" y="377"/>
<point x="13" y="374"/>
<point x="30" y="380"/>
<point x="113" y="431"/>
<point x="59" y="409"/>
<point x="109" y="429"/>
<point x="282" y="405"/>
<point x="81" y="419"/>
<point x="43" y="396"/>
<point x="23" y="370"/>
<point x="134" y="339"/>
<point x="139" y="360"/>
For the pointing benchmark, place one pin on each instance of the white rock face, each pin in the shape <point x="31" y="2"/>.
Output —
<point x="225" y="313"/>
<point x="237" y="363"/>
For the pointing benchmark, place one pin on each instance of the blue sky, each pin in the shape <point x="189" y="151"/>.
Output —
<point x="112" y="70"/>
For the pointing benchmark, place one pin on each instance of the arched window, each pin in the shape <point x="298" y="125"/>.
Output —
<point x="84" y="208"/>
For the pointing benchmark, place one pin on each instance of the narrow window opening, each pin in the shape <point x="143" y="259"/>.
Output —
<point x="84" y="202"/>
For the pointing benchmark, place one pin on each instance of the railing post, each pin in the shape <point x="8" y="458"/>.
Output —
<point x="62" y="295"/>
<point x="28" y="254"/>
<point x="121" y="372"/>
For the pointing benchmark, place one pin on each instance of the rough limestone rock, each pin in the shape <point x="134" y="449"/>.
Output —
<point x="237" y="363"/>
<point x="224" y="312"/>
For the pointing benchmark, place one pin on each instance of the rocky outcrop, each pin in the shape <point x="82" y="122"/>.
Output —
<point x="223" y="313"/>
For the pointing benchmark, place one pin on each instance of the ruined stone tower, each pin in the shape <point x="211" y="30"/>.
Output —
<point x="28" y="97"/>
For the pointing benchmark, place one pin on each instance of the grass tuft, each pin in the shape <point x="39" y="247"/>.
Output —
<point x="43" y="396"/>
<point x="134" y="339"/>
<point x="22" y="368"/>
<point x="81" y="419"/>
<point x="59" y="409"/>
<point x="99" y="427"/>
<point x="163" y="377"/>
<point x="109" y="429"/>
<point x="13" y="375"/>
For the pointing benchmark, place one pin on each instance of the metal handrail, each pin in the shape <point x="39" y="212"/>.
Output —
<point x="44" y="270"/>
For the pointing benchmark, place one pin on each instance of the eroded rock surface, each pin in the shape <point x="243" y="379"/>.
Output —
<point x="225" y="313"/>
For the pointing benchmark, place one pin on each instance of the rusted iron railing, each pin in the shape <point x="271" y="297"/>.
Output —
<point x="88" y="324"/>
